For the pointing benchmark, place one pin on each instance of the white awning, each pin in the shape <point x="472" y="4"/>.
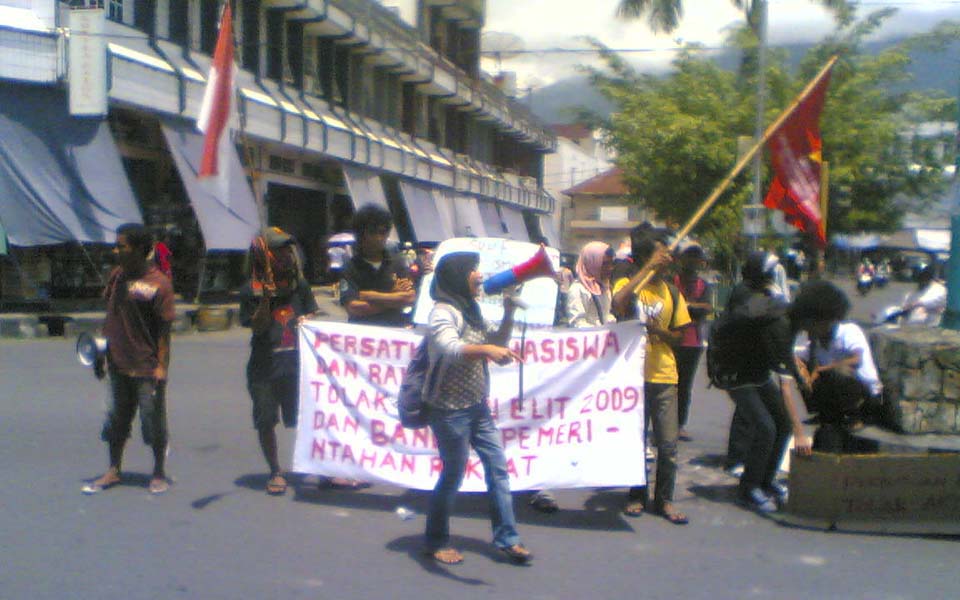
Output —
<point x="516" y="226"/>
<point x="491" y="219"/>
<point x="366" y="188"/>
<point x="228" y="216"/>
<point x="933" y="240"/>
<point x="430" y="212"/>
<point x="469" y="221"/>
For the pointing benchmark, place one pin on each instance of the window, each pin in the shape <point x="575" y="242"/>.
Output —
<point x="209" y="25"/>
<point x="614" y="213"/>
<point x="115" y="11"/>
<point x="178" y="21"/>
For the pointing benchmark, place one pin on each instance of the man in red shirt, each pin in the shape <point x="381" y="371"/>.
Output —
<point x="140" y="309"/>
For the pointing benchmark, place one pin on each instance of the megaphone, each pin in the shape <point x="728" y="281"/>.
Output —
<point x="90" y="349"/>
<point x="538" y="265"/>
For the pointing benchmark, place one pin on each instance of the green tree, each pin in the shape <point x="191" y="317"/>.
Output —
<point x="676" y="136"/>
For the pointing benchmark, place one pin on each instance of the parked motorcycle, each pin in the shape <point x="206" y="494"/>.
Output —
<point x="864" y="283"/>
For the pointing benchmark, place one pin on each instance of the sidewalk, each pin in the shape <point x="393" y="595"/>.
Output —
<point x="191" y="318"/>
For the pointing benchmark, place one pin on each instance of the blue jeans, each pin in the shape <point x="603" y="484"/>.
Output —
<point x="457" y="431"/>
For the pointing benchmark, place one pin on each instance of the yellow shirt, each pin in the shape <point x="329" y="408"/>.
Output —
<point x="655" y="301"/>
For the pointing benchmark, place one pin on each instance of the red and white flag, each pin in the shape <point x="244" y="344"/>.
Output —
<point x="218" y="111"/>
<point x="796" y="153"/>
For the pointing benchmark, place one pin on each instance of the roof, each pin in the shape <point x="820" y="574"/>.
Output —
<point x="572" y="131"/>
<point x="608" y="183"/>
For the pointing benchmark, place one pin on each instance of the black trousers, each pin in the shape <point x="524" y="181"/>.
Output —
<point x="688" y="358"/>
<point x="763" y="412"/>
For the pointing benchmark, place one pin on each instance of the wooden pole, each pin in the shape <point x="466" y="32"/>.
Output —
<point x="819" y="260"/>
<point x="743" y="162"/>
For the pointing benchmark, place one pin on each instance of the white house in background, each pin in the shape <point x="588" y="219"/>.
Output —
<point x="580" y="156"/>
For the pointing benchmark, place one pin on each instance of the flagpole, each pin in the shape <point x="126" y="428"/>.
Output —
<point x="742" y="163"/>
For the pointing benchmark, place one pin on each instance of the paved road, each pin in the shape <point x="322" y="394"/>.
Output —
<point x="217" y="535"/>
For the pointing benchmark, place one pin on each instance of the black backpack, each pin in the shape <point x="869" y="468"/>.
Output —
<point x="724" y="353"/>
<point x="417" y="383"/>
<point x="743" y="342"/>
<point x="410" y="404"/>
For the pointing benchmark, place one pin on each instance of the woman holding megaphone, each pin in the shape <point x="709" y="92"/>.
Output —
<point x="459" y="344"/>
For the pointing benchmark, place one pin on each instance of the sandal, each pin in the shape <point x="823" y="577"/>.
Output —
<point x="158" y="486"/>
<point x="277" y="485"/>
<point x="99" y="484"/>
<point x="674" y="516"/>
<point x="447" y="556"/>
<point x="517" y="554"/>
<point x="633" y="508"/>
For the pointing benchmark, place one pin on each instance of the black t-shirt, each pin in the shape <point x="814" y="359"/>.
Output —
<point x="359" y="275"/>
<point x="762" y="330"/>
<point x="273" y="352"/>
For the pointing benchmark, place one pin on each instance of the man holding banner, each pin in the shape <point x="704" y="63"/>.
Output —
<point x="272" y="307"/>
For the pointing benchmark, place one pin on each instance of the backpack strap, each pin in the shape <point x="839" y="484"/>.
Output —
<point x="674" y="297"/>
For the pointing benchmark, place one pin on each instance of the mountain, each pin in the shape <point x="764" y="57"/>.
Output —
<point x="929" y="71"/>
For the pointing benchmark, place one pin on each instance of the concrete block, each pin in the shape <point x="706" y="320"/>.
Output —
<point x="915" y="386"/>
<point x="213" y="318"/>
<point x="951" y="385"/>
<point x="21" y="326"/>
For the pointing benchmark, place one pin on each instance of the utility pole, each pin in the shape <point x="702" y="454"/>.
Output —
<point x="754" y="214"/>
<point x="951" y="317"/>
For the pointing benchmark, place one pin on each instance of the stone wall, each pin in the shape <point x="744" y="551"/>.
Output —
<point x="920" y="370"/>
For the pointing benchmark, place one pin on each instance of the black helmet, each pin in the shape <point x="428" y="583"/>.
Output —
<point x="759" y="267"/>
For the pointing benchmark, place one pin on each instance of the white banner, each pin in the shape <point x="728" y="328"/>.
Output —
<point x="87" y="54"/>
<point x="580" y="424"/>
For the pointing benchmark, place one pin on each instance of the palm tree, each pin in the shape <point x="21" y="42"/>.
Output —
<point x="665" y="15"/>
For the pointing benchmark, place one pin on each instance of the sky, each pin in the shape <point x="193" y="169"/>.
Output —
<point x="543" y="24"/>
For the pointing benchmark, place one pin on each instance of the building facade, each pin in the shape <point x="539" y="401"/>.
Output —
<point x="580" y="156"/>
<point x="601" y="209"/>
<point x="340" y="103"/>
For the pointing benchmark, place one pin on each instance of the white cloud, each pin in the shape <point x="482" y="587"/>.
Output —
<point x="563" y="23"/>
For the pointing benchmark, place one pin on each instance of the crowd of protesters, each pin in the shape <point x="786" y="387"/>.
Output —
<point x="834" y="372"/>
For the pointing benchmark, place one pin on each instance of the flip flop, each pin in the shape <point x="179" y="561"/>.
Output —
<point x="517" y="554"/>
<point x="447" y="556"/>
<point x="277" y="486"/>
<point x="675" y="517"/>
<point x="633" y="509"/>
<point x="93" y="487"/>
<point x="159" y="486"/>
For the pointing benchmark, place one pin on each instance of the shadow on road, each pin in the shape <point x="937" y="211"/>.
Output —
<point x="600" y="511"/>
<point x="721" y="493"/>
<point x="413" y="546"/>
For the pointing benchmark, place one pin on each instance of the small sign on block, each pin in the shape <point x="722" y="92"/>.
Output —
<point x="885" y="493"/>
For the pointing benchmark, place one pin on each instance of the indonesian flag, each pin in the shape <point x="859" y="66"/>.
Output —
<point x="218" y="111"/>
<point x="795" y="151"/>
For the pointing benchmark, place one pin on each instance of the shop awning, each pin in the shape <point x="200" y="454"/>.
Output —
<point x="228" y="216"/>
<point x="933" y="240"/>
<point x="549" y="231"/>
<point x="513" y="220"/>
<point x="430" y="212"/>
<point x="366" y="188"/>
<point x="469" y="221"/>
<point x="491" y="219"/>
<point x="61" y="177"/>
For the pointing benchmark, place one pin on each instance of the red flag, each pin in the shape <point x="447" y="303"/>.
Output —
<point x="218" y="101"/>
<point x="795" y="151"/>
